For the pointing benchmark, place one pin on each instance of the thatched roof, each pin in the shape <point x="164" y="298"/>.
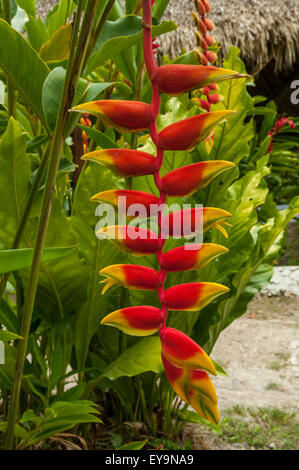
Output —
<point x="262" y="29"/>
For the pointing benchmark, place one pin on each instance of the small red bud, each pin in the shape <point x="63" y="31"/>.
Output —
<point x="207" y="5"/>
<point x="206" y="91"/>
<point x="209" y="24"/>
<point x="282" y="122"/>
<point x="202" y="60"/>
<point x="201" y="8"/>
<point x="210" y="39"/>
<point x="211" y="56"/>
<point x="214" y="87"/>
<point x="205" y="105"/>
<point x="196" y="18"/>
<point x="201" y="40"/>
<point x="202" y="26"/>
<point x="214" y="99"/>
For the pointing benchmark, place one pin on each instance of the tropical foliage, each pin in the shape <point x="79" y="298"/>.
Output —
<point x="63" y="369"/>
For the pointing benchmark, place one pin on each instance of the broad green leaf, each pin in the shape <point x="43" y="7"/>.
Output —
<point x="130" y="6"/>
<point x="96" y="254"/>
<point x="28" y="6"/>
<point x="58" y="16"/>
<point x="144" y="356"/>
<point x="15" y="171"/>
<point x="72" y="394"/>
<point x="117" y="11"/>
<point x="13" y="260"/>
<point x="61" y="282"/>
<point x="94" y="90"/>
<point x="37" y="32"/>
<point x="232" y="138"/>
<point x="119" y="35"/>
<point x="52" y="91"/>
<point x="23" y="66"/>
<point x="159" y="8"/>
<point x="57" y="48"/>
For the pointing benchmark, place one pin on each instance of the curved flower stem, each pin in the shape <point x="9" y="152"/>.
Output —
<point x="151" y="67"/>
<point x="77" y="56"/>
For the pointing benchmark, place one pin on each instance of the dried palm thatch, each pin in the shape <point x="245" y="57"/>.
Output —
<point x="262" y="29"/>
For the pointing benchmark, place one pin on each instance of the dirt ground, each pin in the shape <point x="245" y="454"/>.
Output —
<point x="260" y="352"/>
<point x="44" y="6"/>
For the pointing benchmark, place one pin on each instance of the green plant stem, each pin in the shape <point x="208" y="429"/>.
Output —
<point x="10" y="90"/>
<point x="74" y="68"/>
<point x="98" y="30"/>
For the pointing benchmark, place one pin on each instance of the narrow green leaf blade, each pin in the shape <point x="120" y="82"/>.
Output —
<point x="12" y="260"/>
<point x="101" y="139"/>
<point x="8" y="336"/>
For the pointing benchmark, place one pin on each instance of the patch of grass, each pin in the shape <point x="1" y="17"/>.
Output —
<point x="284" y="356"/>
<point x="240" y="410"/>
<point x="261" y="428"/>
<point x="274" y="386"/>
<point x="274" y="366"/>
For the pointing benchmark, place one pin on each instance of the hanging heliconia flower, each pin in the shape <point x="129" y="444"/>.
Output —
<point x="131" y="276"/>
<point x="176" y="79"/>
<point x="124" y="162"/>
<point x="186" y="180"/>
<point x="125" y="198"/>
<point x="186" y="364"/>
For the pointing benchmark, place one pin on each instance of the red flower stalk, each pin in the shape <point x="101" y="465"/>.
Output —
<point x="204" y="27"/>
<point x="205" y="55"/>
<point x="85" y="121"/>
<point x="280" y="123"/>
<point x="185" y="362"/>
